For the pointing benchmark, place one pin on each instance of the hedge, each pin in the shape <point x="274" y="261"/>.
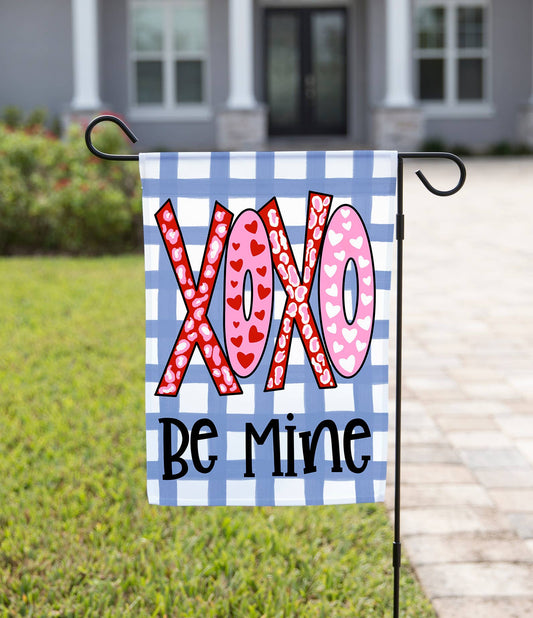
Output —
<point x="56" y="197"/>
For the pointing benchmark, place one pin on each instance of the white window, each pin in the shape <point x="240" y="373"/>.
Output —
<point x="452" y="53"/>
<point x="168" y="54"/>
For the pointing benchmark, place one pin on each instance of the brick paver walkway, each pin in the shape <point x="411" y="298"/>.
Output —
<point x="467" y="431"/>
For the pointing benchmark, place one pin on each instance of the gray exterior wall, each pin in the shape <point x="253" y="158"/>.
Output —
<point x="375" y="26"/>
<point x="37" y="71"/>
<point x="114" y="78"/>
<point x="112" y="30"/>
<point x="36" y="53"/>
<point x="511" y="71"/>
<point x="358" y="40"/>
<point x="201" y="134"/>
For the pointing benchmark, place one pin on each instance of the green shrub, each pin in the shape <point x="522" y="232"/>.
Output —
<point x="500" y="149"/>
<point x="462" y="150"/>
<point x="37" y="117"/>
<point x="503" y="149"/>
<point x="434" y="144"/>
<point x="12" y="116"/>
<point x="55" y="196"/>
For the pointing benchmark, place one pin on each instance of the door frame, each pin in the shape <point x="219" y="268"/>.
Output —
<point x="307" y="127"/>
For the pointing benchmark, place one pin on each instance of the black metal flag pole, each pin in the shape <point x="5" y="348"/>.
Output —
<point x="396" y="553"/>
<point x="396" y="546"/>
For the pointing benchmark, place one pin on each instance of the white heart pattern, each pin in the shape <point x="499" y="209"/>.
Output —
<point x="335" y="238"/>
<point x="349" y="334"/>
<point x="357" y="242"/>
<point x="337" y="347"/>
<point x="332" y="291"/>
<point x="347" y="363"/>
<point x="364" y="323"/>
<point x="340" y="255"/>
<point x="330" y="269"/>
<point x="332" y="310"/>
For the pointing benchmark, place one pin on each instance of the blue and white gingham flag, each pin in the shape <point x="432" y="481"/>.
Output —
<point x="267" y="322"/>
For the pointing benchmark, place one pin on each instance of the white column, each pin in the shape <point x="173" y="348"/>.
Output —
<point x="85" y="55"/>
<point x="398" y="57"/>
<point x="241" y="55"/>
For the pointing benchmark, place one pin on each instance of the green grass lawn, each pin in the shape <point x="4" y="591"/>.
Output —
<point x="77" y="536"/>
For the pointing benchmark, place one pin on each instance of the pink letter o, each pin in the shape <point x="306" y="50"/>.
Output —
<point x="248" y="252"/>
<point x="346" y="240"/>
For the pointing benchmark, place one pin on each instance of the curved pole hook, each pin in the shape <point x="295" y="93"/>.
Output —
<point x="105" y="155"/>
<point x="437" y="155"/>
<point x="402" y="155"/>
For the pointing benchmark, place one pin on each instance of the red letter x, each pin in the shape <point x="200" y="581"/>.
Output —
<point x="297" y="308"/>
<point x="196" y="329"/>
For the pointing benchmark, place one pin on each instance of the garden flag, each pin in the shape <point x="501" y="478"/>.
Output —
<point x="267" y="305"/>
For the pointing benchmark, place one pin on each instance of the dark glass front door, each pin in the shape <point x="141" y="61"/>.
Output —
<point x="306" y="70"/>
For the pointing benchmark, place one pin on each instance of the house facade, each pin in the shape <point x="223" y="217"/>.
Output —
<point x="206" y="74"/>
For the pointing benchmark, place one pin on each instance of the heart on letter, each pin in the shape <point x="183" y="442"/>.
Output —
<point x="347" y="364"/>
<point x="332" y="309"/>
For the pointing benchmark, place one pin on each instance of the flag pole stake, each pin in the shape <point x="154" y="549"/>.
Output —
<point x="397" y="546"/>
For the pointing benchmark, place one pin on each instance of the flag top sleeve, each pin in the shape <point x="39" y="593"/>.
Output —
<point x="268" y="281"/>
